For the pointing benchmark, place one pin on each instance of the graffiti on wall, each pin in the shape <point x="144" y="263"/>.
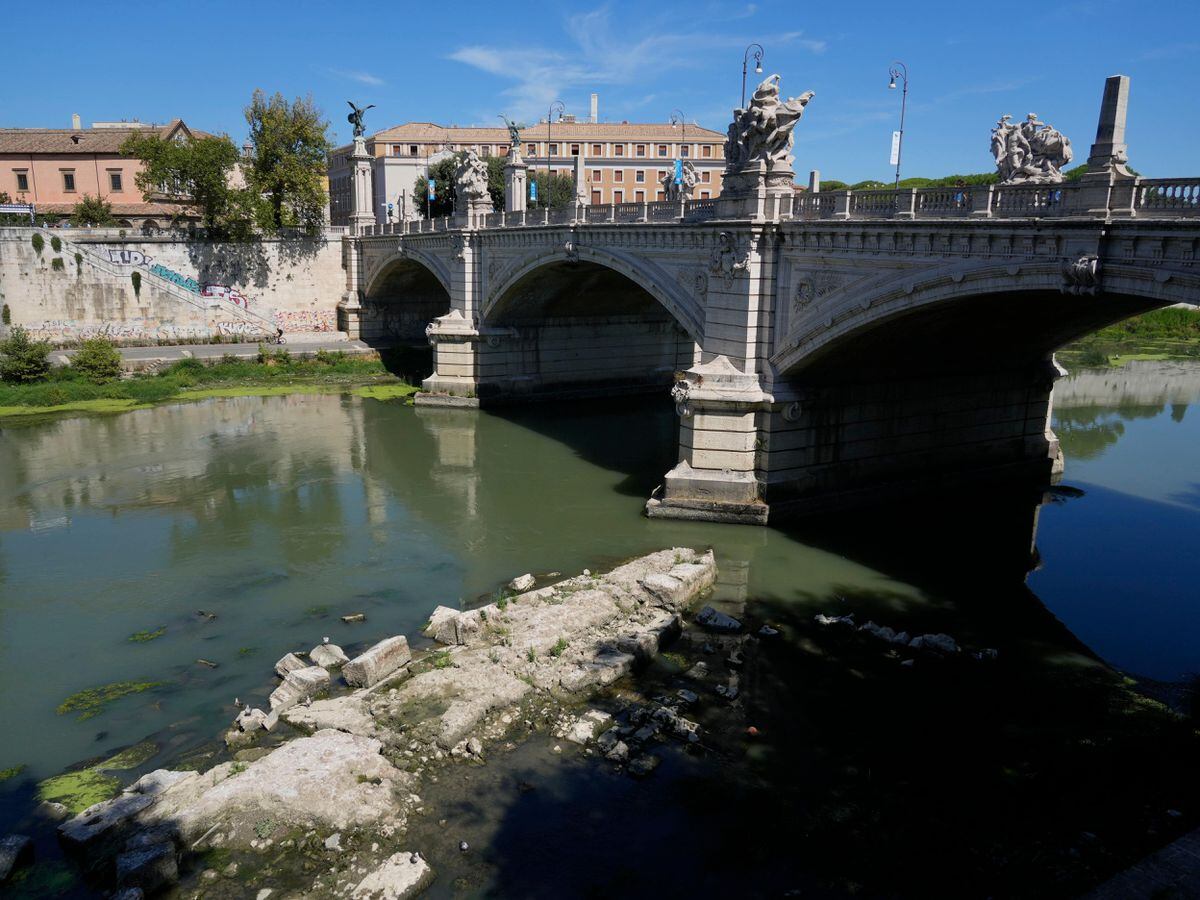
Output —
<point x="61" y="331"/>
<point x="242" y="329"/>
<point x="307" y="319"/>
<point x="188" y="284"/>
<point x="129" y="258"/>
<point x="226" y="293"/>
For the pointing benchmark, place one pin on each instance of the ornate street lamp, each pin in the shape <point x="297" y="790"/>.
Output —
<point x="561" y="107"/>
<point x="899" y="70"/>
<point x="758" y="55"/>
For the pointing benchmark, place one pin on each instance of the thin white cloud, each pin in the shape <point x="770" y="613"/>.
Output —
<point x="597" y="53"/>
<point x="1170" y="51"/>
<point x="360" y="77"/>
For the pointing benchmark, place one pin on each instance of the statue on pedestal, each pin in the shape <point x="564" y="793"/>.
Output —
<point x="471" y="184"/>
<point x="356" y="118"/>
<point x="683" y="190"/>
<point x="762" y="133"/>
<point x="514" y="134"/>
<point x="1030" y="153"/>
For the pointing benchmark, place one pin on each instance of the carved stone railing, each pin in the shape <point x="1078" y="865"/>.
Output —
<point x="1167" y="196"/>
<point x="1145" y="197"/>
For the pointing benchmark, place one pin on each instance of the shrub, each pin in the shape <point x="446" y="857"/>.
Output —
<point x="55" y="244"/>
<point x="78" y="263"/>
<point x="38" y="243"/>
<point x="23" y="359"/>
<point x="5" y="315"/>
<point x="57" y="264"/>
<point x="136" y="278"/>
<point x="97" y="360"/>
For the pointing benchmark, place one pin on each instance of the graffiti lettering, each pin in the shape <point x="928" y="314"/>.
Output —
<point x="224" y="292"/>
<point x="189" y="284"/>
<point x="129" y="258"/>
<point x="244" y="329"/>
<point x="306" y="319"/>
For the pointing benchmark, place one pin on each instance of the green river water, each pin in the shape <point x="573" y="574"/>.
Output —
<point x="280" y="514"/>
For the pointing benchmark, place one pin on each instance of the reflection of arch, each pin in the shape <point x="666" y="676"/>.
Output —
<point x="653" y="279"/>
<point x="1004" y="292"/>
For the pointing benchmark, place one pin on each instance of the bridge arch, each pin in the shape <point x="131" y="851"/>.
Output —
<point x="404" y="292"/>
<point x="1028" y="309"/>
<point x="682" y="303"/>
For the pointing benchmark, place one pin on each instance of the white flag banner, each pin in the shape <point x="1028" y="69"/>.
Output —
<point x="895" y="147"/>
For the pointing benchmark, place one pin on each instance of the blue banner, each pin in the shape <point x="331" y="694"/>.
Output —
<point x="532" y="191"/>
<point x="679" y="171"/>
<point x="432" y="189"/>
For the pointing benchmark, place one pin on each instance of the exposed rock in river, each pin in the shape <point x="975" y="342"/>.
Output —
<point x="557" y="643"/>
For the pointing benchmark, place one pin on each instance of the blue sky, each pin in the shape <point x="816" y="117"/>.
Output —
<point x="463" y="62"/>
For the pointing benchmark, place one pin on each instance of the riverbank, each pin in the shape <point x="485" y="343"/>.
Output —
<point x="270" y="372"/>
<point x="1172" y="333"/>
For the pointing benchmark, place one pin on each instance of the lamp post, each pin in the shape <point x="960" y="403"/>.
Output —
<point x="899" y="70"/>
<point x="758" y="55"/>
<point x="561" y="107"/>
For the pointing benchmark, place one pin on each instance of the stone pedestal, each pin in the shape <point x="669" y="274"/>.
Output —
<point x="1107" y="186"/>
<point x="515" y="186"/>
<point x="362" y="209"/>
<point x="715" y="480"/>
<point x="582" y="195"/>
<point x="754" y="192"/>
<point x="349" y="308"/>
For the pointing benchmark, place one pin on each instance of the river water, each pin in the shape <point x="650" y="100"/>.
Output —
<point x="275" y="516"/>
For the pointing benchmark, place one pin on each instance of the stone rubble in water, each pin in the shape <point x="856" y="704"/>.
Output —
<point x="289" y="663"/>
<point x="377" y="663"/>
<point x="331" y="656"/>
<point x="15" y="850"/>
<point x="556" y="644"/>
<point x="522" y="583"/>
<point x="713" y="620"/>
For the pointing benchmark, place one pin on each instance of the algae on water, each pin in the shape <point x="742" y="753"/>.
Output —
<point x="140" y="637"/>
<point x="130" y="758"/>
<point x="78" y="790"/>
<point x="13" y="772"/>
<point x="91" y="702"/>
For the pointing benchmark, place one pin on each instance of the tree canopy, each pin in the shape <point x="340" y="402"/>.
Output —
<point x="92" y="211"/>
<point x="289" y="162"/>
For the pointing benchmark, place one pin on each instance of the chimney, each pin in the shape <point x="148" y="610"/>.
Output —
<point x="594" y="117"/>
<point x="75" y="123"/>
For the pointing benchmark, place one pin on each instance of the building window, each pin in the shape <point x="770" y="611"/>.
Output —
<point x="574" y="149"/>
<point x="532" y="150"/>
<point x="639" y="196"/>
<point x="597" y="198"/>
<point x="662" y="149"/>
<point x="485" y="151"/>
<point x="597" y="149"/>
<point x="619" y="150"/>
<point x="114" y="181"/>
<point x="554" y="149"/>
<point x="659" y="196"/>
<point x="68" y="180"/>
<point x="640" y="150"/>
<point x="704" y="195"/>
<point x="706" y="177"/>
<point x="683" y="150"/>
<point x="597" y="174"/>
<point x="618" y="175"/>
<point x="22" y="181"/>
<point x="618" y="196"/>
<point x="706" y="151"/>
<point x="639" y="176"/>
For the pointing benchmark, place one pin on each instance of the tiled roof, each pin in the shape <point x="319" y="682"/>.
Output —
<point x="560" y="131"/>
<point x="162" y="210"/>
<point x="84" y="140"/>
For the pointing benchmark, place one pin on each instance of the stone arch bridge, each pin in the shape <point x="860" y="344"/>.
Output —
<point x="821" y="348"/>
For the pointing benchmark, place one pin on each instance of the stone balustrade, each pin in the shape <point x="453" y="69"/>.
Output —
<point x="1145" y="197"/>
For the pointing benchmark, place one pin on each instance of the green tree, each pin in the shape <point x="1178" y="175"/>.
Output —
<point x="23" y="359"/>
<point x="289" y="163"/>
<point x="97" y="360"/>
<point x="442" y="173"/>
<point x="92" y="211"/>
<point x="556" y="191"/>
<point x="197" y="172"/>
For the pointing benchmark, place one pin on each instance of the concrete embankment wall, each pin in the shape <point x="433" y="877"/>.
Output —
<point x="190" y="290"/>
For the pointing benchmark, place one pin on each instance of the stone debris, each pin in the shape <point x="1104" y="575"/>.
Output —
<point x="334" y="842"/>
<point x="289" y="663"/>
<point x="885" y="633"/>
<point x="712" y="620"/>
<point x="101" y="824"/>
<point x="822" y="619"/>
<point x="15" y="850"/>
<point x="154" y="783"/>
<point x="641" y="766"/>
<point x="354" y="618"/>
<point x="377" y="663"/>
<point x="331" y="656"/>
<point x="584" y="729"/>
<point x="401" y="876"/>
<point x="522" y="583"/>
<point x="942" y="643"/>
<point x="251" y="720"/>
<point x="298" y="685"/>
<point x="475" y="747"/>
<point x="149" y="868"/>
<point x="767" y="631"/>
